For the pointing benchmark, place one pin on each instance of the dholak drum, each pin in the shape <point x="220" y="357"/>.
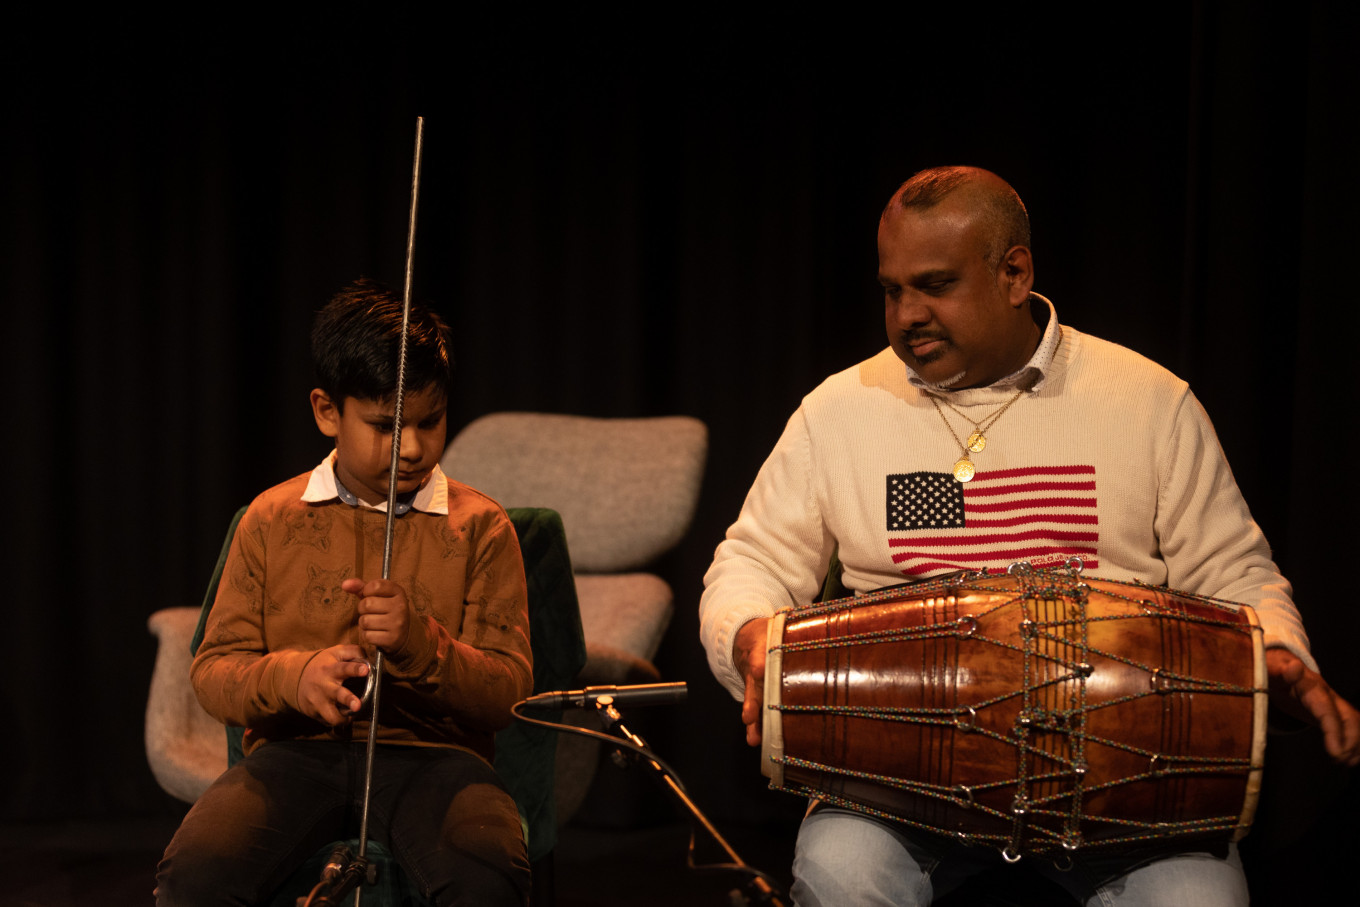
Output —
<point x="1036" y="712"/>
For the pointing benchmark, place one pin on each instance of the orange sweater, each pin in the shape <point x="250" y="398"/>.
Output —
<point x="464" y="664"/>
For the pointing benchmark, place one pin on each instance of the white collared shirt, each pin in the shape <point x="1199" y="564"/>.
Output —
<point x="431" y="497"/>
<point x="1031" y="375"/>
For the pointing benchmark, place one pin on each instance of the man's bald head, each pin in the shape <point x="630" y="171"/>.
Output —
<point x="998" y="208"/>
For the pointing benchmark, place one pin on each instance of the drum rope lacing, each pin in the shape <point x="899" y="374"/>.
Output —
<point x="1042" y="641"/>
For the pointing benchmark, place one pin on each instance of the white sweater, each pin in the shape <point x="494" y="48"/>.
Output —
<point x="1111" y="458"/>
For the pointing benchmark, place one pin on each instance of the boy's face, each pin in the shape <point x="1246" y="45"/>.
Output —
<point x="363" y="439"/>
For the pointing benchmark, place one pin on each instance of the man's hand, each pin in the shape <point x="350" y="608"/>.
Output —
<point x="384" y="614"/>
<point x="1301" y="692"/>
<point x="748" y="654"/>
<point x="321" y="692"/>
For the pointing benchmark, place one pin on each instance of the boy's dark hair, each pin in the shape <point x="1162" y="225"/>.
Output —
<point x="356" y="338"/>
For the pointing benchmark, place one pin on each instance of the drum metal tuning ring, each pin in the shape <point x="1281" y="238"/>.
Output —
<point x="1156" y="681"/>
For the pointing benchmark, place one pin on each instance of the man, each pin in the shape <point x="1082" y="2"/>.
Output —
<point x="993" y="386"/>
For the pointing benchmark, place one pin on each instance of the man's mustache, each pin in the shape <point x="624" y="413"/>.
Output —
<point x="911" y="338"/>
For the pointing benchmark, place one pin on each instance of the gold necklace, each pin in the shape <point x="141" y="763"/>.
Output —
<point x="963" y="468"/>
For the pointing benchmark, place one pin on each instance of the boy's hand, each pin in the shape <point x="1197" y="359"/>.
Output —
<point x="384" y="614"/>
<point x="321" y="692"/>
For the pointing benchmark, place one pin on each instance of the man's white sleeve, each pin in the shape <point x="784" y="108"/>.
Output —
<point x="774" y="555"/>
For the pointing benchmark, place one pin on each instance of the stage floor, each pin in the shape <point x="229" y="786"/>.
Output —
<point x="113" y="863"/>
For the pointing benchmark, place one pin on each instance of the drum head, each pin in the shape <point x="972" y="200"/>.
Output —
<point x="772" y="728"/>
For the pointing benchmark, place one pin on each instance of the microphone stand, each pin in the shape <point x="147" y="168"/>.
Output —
<point x="758" y="891"/>
<point x="344" y="872"/>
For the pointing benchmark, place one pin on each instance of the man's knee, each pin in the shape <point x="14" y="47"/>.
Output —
<point x="844" y="857"/>
<point x="1187" y="880"/>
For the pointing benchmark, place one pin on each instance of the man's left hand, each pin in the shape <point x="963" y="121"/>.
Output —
<point x="1301" y="691"/>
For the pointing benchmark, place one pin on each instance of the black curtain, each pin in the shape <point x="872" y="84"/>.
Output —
<point x="623" y="217"/>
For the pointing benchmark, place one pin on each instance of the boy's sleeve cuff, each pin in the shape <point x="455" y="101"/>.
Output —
<point x="286" y="675"/>
<point x="414" y="658"/>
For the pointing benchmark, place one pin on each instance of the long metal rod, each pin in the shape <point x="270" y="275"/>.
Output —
<point x="392" y="486"/>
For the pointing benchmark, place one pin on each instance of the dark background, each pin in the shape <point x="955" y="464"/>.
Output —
<point x="629" y="214"/>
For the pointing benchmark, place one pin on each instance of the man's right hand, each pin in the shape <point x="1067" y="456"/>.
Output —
<point x="748" y="654"/>
<point x="321" y="692"/>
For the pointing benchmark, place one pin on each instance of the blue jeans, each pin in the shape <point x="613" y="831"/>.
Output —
<point x="845" y="857"/>
<point x="442" y="813"/>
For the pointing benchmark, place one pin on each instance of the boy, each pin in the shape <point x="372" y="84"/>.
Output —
<point x="302" y="606"/>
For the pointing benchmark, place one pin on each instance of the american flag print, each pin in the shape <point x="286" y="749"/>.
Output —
<point x="1040" y="514"/>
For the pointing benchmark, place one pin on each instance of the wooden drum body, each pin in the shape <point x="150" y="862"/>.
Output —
<point x="1035" y="712"/>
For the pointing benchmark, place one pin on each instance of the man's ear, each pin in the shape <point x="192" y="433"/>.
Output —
<point x="326" y="413"/>
<point x="1017" y="274"/>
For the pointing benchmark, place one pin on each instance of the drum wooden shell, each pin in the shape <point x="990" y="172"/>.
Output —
<point x="1036" y="712"/>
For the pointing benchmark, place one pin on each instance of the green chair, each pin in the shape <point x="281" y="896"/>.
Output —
<point x="525" y="754"/>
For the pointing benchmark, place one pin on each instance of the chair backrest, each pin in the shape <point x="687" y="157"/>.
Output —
<point x="626" y="488"/>
<point x="526" y="754"/>
<point x="184" y="744"/>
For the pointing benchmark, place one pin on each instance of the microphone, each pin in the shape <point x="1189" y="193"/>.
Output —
<point x="637" y="694"/>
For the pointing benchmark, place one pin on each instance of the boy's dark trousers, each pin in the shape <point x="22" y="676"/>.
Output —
<point x="442" y="812"/>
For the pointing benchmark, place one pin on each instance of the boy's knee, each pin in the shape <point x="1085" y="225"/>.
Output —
<point x="480" y="855"/>
<point x="193" y="876"/>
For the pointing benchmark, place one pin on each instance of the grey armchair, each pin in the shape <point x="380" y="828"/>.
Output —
<point x="627" y="491"/>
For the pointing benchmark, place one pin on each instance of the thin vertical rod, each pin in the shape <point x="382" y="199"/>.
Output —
<point x="392" y="484"/>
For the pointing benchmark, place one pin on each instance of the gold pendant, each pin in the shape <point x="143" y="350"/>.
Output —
<point x="976" y="442"/>
<point x="963" y="469"/>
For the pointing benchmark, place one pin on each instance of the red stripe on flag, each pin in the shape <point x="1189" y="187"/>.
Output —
<point x="994" y="538"/>
<point x="1028" y="504"/>
<point x="1009" y="555"/>
<point x="1078" y="519"/>
<point x="926" y="568"/>
<point x="1028" y="488"/>
<point x="992" y="474"/>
